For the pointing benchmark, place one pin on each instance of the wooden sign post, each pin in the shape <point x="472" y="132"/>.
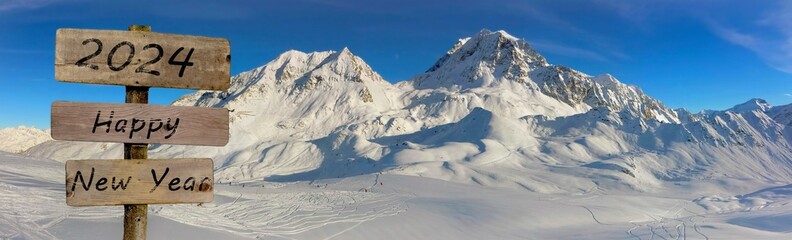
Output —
<point x="138" y="181"/>
<point x="135" y="215"/>
<point x="141" y="58"/>
<point x="139" y="123"/>
<point x="137" y="59"/>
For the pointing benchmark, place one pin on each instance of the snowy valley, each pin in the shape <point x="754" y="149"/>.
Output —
<point x="491" y="142"/>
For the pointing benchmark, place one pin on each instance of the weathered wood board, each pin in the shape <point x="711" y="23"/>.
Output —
<point x="139" y="181"/>
<point x="147" y="59"/>
<point x="139" y="123"/>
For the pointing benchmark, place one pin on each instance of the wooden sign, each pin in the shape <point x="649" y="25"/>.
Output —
<point x="145" y="59"/>
<point x="139" y="123"/>
<point x="139" y="181"/>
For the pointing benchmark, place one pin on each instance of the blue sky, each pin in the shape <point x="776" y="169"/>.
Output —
<point x="698" y="55"/>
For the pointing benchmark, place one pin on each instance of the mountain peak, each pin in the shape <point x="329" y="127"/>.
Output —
<point x="500" y="33"/>
<point x="315" y="67"/>
<point x="19" y="139"/>
<point x="499" y="60"/>
<point x="297" y="73"/>
<point x="349" y="66"/>
<point x="345" y="56"/>
<point x="344" y="52"/>
<point x="482" y="60"/>
<point x="751" y="105"/>
<point x="606" y="79"/>
<point x="290" y="53"/>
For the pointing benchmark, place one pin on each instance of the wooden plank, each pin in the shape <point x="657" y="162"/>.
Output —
<point x="139" y="181"/>
<point x="139" y="123"/>
<point x="209" y="70"/>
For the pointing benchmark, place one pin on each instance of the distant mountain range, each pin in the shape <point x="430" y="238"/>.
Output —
<point x="491" y="111"/>
<point x="19" y="139"/>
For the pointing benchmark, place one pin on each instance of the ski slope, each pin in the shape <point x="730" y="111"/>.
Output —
<point x="402" y="207"/>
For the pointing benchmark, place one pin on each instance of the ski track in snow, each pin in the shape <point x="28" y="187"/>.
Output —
<point x="262" y="214"/>
<point x="593" y="216"/>
<point x="256" y="214"/>
<point x="658" y="228"/>
<point x="285" y="211"/>
<point x="679" y="231"/>
<point x="695" y="223"/>
<point x="27" y="219"/>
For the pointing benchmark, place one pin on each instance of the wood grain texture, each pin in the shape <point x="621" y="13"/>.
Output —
<point x="139" y="123"/>
<point x="211" y="59"/>
<point x="135" y="215"/>
<point x="141" y="177"/>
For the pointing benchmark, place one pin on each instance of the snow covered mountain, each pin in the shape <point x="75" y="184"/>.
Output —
<point x="750" y="105"/>
<point x="782" y="114"/>
<point x="492" y="111"/>
<point x="499" y="63"/>
<point x="19" y="139"/>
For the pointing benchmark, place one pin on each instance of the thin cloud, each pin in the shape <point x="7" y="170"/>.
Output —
<point x="775" y="50"/>
<point x="567" y="51"/>
<point x="544" y="15"/>
<point x="550" y="15"/>
<point x="12" y="5"/>
<point x="788" y="94"/>
<point x="635" y="12"/>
